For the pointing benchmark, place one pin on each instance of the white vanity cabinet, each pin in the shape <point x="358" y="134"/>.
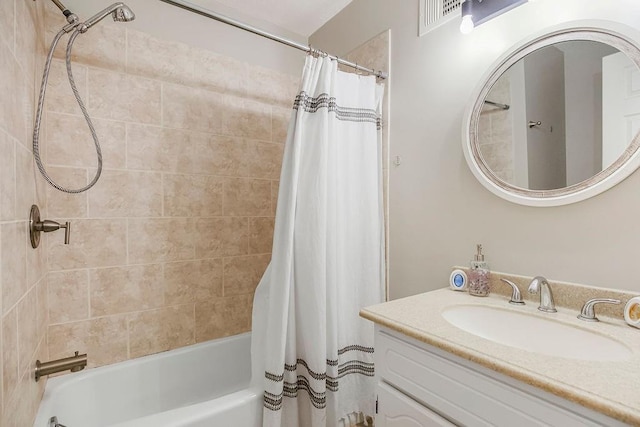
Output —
<point x="421" y="385"/>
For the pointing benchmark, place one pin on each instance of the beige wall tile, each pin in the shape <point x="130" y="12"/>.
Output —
<point x="7" y="25"/>
<point x="221" y="73"/>
<point x="36" y="261"/>
<point x="280" y="118"/>
<point x="223" y="317"/>
<point x="123" y="97"/>
<point x="104" y="46"/>
<point x="192" y="195"/>
<point x="27" y="329"/>
<point x="193" y="281"/>
<point x="160" y="330"/>
<point x="275" y="188"/>
<point x="25" y="182"/>
<point x="242" y="274"/>
<point x="126" y="194"/>
<point x="217" y="237"/>
<point x="68" y="296"/>
<point x="59" y="95"/>
<point x="280" y="90"/>
<point x="94" y="243"/>
<point x="261" y="235"/>
<point x="152" y="57"/>
<point x="160" y="240"/>
<point x="264" y="160"/>
<point x="26" y="37"/>
<point x="246" y="118"/>
<point x="10" y="353"/>
<point x="15" y="108"/>
<point x="69" y="142"/>
<point x="125" y="289"/>
<point x="104" y="340"/>
<point x="13" y="268"/>
<point x="247" y="197"/>
<point x="7" y="178"/>
<point x="195" y="109"/>
<point x="64" y="205"/>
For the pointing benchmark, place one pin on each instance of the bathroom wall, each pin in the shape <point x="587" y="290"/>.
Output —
<point x="438" y="210"/>
<point x="167" y="248"/>
<point x="23" y="285"/>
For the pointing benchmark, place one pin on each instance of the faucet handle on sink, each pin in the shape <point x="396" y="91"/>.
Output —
<point x="588" y="313"/>
<point x="516" y="298"/>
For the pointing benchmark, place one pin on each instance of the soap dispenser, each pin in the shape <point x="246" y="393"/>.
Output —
<point x="479" y="275"/>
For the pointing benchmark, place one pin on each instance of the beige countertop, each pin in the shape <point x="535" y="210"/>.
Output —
<point x="609" y="387"/>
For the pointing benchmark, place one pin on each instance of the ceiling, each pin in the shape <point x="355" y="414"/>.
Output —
<point x="302" y="17"/>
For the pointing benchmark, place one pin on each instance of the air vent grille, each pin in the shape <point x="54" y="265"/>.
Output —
<point x="434" y="13"/>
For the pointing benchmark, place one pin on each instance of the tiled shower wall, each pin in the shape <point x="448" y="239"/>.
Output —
<point x="167" y="248"/>
<point x="23" y="288"/>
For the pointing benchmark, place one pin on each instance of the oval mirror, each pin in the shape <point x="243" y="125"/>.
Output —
<point x="557" y="119"/>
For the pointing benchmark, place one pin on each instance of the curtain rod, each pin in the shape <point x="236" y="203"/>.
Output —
<point x="226" y="20"/>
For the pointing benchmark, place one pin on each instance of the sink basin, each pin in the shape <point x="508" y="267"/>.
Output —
<point x="535" y="334"/>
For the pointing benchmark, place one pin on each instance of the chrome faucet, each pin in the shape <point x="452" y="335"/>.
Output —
<point x="588" y="312"/>
<point x="540" y="284"/>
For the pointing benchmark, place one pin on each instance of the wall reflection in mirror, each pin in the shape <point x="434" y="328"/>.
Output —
<point x="560" y="115"/>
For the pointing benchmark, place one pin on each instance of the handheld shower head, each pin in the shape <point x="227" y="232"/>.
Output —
<point x="120" y="12"/>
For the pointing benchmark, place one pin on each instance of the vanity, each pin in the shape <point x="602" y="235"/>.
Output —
<point x="437" y="367"/>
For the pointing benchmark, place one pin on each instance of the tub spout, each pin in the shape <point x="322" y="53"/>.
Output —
<point x="74" y="363"/>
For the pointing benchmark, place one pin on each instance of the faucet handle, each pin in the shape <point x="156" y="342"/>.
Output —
<point x="588" y="313"/>
<point x="516" y="298"/>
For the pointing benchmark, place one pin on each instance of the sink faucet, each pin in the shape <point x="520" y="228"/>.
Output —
<point x="540" y="284"/>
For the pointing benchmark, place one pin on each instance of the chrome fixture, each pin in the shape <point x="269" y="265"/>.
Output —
<point x="36" y="226"/>
<point x="540" y="285"/>
<point x="120" y="13"/>
<point x="476" y="12"/>
<point x="516" y="298"/>
<point x="588" y="313"/>
<point x="74" y="363"/>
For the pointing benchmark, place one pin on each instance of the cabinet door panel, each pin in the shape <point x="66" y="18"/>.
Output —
<point x="398" y="410"/>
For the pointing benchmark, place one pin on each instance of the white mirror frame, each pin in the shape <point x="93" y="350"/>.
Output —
<point x="623" y="38"/>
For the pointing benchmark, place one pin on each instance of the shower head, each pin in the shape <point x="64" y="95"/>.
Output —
<point x="119" y="11"/>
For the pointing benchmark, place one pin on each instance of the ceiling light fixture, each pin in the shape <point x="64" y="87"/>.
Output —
<point x="476" y="12"/>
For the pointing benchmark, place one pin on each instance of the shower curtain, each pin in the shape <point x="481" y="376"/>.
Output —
<point x="327" y="262"/>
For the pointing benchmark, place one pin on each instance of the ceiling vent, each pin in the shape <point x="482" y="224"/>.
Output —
<point x="434" y="13"/>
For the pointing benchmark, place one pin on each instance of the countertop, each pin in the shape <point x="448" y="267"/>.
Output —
<point x="609" y="387"/>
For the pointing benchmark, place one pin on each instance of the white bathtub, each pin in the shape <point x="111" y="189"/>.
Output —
<point x="203" y="385"/>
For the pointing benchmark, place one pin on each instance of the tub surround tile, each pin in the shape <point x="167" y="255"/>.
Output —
<point x="125" y="289"/>
<point x="184" y="107"/>
<point x="191" y="281"/>
<point x="261" y="235"/>
<point x="123" y="97"/>
<point x="7" y="177"/>
<point x="223" y="317"/>
<point x="149" y="56"/>
<point x="10" y="359"/>
<point x="280" y="118"/>
<point x="26" y="38"/>
<point x="7" y="24"/>
<point x="161" y="330"/>
<point x="242" y="274"/>
<point x="64" y="205"/>
<point x="192" y="195"/>
<point x="94" y="243"/>
<point x="68" y="296"/>
<point x="103" y="339"/>
<point x="247" y="197"/>
<point x="221" y="73"/>
<point x="59" y="95"/>
<point x="246" y="118"/>
<point x="224" y="236"/>
<point x="160" y="240"/>
<point x="27" y="329"/>
<point x="69" y="141"/>
<point x="25" y="182"/>
<point x="126" y="194"/>
<point x="264" y="160"/>
<point x="13" y="268"/>
<point x="275" y="188"/>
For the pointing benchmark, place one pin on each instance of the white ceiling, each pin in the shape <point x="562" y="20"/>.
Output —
<point x="302" y="17"/>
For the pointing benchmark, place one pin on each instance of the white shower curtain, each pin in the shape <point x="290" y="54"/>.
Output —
<point x="315" y="352"/>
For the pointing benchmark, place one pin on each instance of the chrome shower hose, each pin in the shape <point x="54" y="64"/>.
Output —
<point x="36" y="129"/>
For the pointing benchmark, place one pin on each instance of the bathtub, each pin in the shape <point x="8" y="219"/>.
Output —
<point x="203" y="385"/>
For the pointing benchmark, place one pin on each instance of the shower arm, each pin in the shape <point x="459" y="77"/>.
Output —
<point x="72" y="18"/>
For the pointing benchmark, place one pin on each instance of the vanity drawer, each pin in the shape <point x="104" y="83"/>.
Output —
<point x="468" y="396"/>
<point x="398" y="410"/>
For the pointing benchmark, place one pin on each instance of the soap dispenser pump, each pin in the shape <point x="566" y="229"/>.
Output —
<point x="479" y="275"/>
